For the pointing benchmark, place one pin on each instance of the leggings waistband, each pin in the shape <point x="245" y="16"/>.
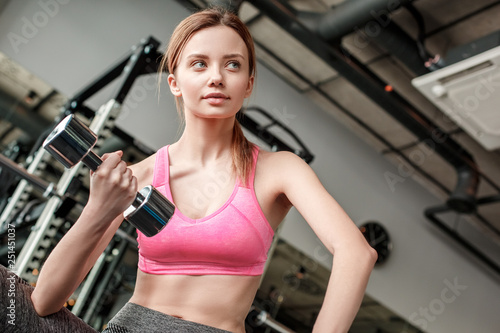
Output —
<point x="134" y="318"/>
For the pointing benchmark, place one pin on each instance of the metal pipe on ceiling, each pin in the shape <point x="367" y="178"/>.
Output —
<point x="462" y="198"/>
<point x="432" y="215"/>
<point x="371" y="20"/>
<point x="344" y="17"/>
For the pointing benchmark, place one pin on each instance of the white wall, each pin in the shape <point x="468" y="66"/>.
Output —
<point x="71" y="42"/>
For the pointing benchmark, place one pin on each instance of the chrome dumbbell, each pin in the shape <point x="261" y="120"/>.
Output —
<point x="72" y="141"/>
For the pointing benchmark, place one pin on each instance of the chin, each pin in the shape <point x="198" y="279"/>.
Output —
<point x="216" y="115"/>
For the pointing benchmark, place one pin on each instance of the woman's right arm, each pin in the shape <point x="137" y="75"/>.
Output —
<point x="112" y="189"/>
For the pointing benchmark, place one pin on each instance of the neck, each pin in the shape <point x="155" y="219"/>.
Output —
<point x="206" y="140"/>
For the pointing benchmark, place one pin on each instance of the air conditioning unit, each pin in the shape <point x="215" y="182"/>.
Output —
<point x="468" y="92"/>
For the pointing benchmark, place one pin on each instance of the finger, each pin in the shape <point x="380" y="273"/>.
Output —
<point x="129" y="174"/>
<point x="117" y="153"/>
<point x="110" y="160"/>
<point x="134" y="183"/>
<point x="121" y="167"/>
<point x="131" y="186"/>
<point x="105" y="156"/>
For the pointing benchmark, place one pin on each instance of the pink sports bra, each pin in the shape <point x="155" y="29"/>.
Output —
<point x="234" y="240"/>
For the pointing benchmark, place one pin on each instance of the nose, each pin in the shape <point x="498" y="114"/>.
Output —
<point x="216" y="78"/>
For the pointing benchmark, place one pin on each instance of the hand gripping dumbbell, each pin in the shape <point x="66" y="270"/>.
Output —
<point x="71" y="141"/>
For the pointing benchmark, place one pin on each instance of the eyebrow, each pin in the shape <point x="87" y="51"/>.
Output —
<point x="226" y="56"/>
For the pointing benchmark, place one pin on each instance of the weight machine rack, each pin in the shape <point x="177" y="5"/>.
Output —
<point x="144" y="59"/>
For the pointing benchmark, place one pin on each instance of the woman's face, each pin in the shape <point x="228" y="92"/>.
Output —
<point x="212" y="75"/>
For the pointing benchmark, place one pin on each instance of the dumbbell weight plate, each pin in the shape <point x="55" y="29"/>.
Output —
<point x="70" y="142"/>
<point x="152" y="213"/>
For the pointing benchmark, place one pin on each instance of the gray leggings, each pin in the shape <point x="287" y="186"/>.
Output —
<point x="17" y="315"/>
<point x="133" y="318"/>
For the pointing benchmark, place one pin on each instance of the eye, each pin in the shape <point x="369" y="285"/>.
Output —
<point x="233" y="64"/>
<point x="198" y="64"/>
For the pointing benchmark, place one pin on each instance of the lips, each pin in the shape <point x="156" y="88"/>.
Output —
<point x="215" y="95"/>
<point x="215" y="98"/>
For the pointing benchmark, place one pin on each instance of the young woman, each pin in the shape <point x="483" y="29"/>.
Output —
<point x="201" y="272"/>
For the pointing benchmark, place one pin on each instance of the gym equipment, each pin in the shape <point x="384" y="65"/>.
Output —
<point x="72" y="141"/>
<point x="142" y="60"/>
<point x="47" y="188"/>
<point x="259" y="317"/>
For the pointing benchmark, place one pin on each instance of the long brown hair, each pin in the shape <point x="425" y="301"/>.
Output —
<point x="241" y="148"/>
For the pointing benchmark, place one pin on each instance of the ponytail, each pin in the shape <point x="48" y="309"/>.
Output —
<point x="242" y="153"/>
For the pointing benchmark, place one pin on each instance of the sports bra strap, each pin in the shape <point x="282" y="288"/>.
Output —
<point x="255" y="153"/>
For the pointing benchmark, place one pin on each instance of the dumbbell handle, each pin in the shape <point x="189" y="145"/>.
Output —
<point x="92" y="161"/>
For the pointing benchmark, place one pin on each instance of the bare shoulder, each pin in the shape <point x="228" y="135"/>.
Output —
<point x="280" y="159"/>
<point x="143" y="170"/>
<point x="283" y="169"/>
<point x="282" y="162"/>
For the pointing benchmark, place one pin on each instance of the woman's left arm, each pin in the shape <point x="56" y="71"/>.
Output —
<point x="353" y="258"/>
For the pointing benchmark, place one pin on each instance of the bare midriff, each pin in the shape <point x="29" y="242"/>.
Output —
<point x="221" y="301"/>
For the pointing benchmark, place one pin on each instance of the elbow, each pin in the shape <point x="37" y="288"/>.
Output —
<point x="366" y="256"/>
<point x="371" y="256"/>
<point x="362" y="254"/>
<point x="367" y="253"/>
<point x="41" y="308"/>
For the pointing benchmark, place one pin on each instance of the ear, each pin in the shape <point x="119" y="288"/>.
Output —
<point x="174" y="87"/>
<point x="249" y="89"/>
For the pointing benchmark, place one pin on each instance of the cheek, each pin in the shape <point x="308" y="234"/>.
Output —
<point x="187" y="87"/>
<point x="185" y="81"/>
<point x="243" y="87"/>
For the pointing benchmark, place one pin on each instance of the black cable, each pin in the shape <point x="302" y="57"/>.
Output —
<point x="431" y="62"/>
<point x="421" y="29"/>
